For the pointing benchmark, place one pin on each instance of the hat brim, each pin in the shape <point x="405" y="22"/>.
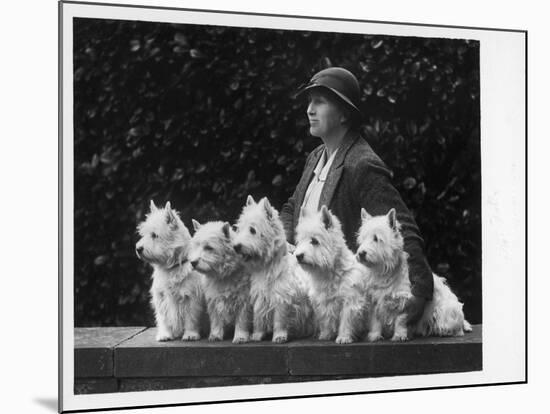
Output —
<point x="334" y="91"/>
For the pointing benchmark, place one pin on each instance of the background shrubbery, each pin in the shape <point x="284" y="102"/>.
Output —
<point x="204" y="115"/>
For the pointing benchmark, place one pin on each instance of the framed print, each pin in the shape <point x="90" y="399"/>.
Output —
<point x="262" y="206"/>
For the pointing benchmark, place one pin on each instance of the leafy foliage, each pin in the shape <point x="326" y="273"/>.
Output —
<point x="204" y="115"/>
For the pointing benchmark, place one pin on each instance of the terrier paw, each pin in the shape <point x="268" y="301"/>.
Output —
<point x="190" y="336"/>
<point x="163" y="337"/>
<point x="215" y="338"/>
<point x="241" y="339"/>
<point x="374" y="336"/>
<point x="344" y="340"/>
<point x="280" y="338"/>
<point x="257" y="336"/>
<point x="399" y="337"/>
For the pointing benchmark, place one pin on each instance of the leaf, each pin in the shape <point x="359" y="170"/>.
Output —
<point x="375" y="44"/>
<point x="409" y="183"/>
<point x="101" y="260"/>
<point x="135" y="45"/>
<point x="277" y="180"/>
<point x="196" y="54"/>
<point x="134" y="132"/>
<point x="181" y="39"/>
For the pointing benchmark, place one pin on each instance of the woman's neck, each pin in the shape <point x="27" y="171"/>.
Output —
<point x="334" y="140"/>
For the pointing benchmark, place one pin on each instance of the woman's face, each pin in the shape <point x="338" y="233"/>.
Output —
<point x="324" y="114"/>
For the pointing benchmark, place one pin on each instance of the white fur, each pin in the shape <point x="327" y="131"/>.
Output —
<point x="338" y="288"/>
<point x="176" y="293"/>
<point x="226" y="283"/>
<point x="278" y="290"/>
<point x="381" y="251"/>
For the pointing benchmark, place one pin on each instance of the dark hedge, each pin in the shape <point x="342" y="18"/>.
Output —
<point x="204" y="115"/>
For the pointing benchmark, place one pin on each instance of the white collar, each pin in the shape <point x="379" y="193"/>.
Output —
<point x="323" y="166"/>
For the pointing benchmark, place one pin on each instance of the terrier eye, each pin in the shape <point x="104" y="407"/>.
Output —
<point x="235" y="228"/>
<point x="252" y="230"/>
<point x="154" y="235"/>
<point x="208" y="248"/>
<point x="375" y="238"/>
<point x="314" y="241"/>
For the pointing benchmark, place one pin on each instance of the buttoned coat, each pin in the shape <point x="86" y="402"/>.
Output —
<point x="359" y="178"/>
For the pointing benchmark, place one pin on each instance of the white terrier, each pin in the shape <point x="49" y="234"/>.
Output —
<point x="339" y="282"/>
<point x="226" y="283"/>
<point x="381" y="251"/>
<point x="176" y="293"/>
<point x="278" y="290"/>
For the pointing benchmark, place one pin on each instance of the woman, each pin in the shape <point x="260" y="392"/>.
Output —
<point x="345" y="174"/>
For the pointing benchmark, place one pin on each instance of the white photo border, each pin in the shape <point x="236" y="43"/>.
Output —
<point x="503" y="155"/>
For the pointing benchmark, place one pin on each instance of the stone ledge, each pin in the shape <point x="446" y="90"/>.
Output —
<point x="93" y="350"/>
<point x="143" y="356"/>
<point x="129" y="358"/>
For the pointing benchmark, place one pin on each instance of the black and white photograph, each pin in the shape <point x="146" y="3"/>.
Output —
<point x="263" y="206"/>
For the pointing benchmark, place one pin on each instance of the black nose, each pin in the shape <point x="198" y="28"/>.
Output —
<point x="362" y="255"/>
<point x="139" y="249"/>
<point x="300" y="257"/>
<point x="194" y="263"/>
<point x="238" y="248"/>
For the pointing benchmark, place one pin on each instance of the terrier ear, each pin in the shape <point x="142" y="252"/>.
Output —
<point x="364" y="215"/>
<point x="168" y="206"/>
<point x="303" y="211"/>
<point x="268" y="208"/>
<point x="171" y="218"/>
<point x="250" y="200"/>
<point x="196" y="224"/>
<point x="179" y="257"/>
<point x="226" y="230"/>
<point x="152" y="206"/>
<point x="326" y="217"/>
<point x="392" y="219"/>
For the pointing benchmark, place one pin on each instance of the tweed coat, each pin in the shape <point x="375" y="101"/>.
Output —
<point x="359" y="178"/>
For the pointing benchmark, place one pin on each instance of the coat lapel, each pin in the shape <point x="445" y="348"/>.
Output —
<point x="335" y="171"/>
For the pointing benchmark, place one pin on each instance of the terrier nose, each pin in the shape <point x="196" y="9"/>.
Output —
<point x="194" y="263"/>
<point x="139" y="249"/>
<point x="362" y="255"/>
<point x="300" y="257"/>
<point x="238" y="248"/>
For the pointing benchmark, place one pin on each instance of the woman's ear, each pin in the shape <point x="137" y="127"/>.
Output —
<point x="345" y="117"/>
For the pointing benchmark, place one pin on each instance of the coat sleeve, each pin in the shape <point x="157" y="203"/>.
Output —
<point x="375" y="193"/>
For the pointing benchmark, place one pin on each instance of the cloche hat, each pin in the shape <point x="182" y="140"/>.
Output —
<point x="339" y="81"/>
